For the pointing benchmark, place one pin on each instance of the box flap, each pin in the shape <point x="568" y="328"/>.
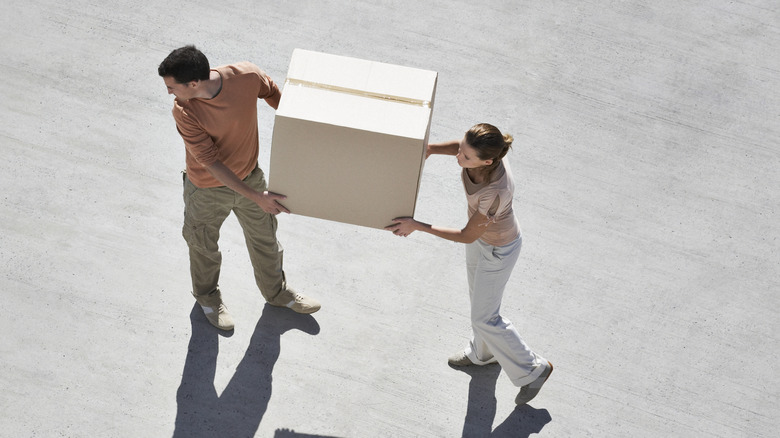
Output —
<point x="371" y="77"/>
<point x="355" y="112"/>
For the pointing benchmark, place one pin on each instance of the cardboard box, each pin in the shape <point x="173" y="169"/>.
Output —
<point x="349" y="138"/>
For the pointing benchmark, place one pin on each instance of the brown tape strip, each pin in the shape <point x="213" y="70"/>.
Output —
<point x="361" y="93"/>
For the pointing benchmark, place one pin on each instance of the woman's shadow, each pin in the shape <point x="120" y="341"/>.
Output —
<point x="481" y="412"/>
<point x="237" y="412"/>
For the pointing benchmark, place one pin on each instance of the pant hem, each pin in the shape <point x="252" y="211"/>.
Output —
<point x="522" y="381"/>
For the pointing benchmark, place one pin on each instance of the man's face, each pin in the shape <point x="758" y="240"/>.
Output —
<point x="181" y="91"/>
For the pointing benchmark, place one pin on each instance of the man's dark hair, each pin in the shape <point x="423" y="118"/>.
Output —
<point x="185" y="64"/>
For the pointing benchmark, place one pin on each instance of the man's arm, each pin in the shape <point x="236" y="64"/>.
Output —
<point x="266" y="200"/>
<point x="273" y="101"/>
<point x="269" y="91"/>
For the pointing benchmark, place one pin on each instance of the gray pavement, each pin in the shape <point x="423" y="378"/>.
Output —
<point x="647" y="166"/>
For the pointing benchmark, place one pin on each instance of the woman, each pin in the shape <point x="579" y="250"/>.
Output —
<point x="493" y="240"/>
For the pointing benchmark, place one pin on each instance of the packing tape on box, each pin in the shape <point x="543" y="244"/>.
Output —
<point x="355" y="92"/>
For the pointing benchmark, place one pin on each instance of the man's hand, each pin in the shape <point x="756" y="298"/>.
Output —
<point x="269" y="202"/>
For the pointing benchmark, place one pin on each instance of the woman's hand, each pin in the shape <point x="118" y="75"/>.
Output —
<point x="403" y="226"/>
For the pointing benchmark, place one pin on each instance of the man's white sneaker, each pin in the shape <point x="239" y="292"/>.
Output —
<point x="219" y="317"/>
<point x="297" y="302"/>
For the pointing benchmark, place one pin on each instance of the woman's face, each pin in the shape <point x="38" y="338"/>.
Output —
<point x="467" y="157"/>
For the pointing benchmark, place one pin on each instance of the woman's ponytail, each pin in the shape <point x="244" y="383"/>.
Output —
<point x="490" y="144"/>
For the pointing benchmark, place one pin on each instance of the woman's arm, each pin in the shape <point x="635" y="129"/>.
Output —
<point x="446" y="148"/>
<point x="473" y="230"/>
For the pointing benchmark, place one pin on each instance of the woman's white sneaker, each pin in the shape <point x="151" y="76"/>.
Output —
<point x="529" y="391"/>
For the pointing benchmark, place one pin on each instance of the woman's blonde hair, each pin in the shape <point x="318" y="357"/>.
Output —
<point x="490" y="144"/>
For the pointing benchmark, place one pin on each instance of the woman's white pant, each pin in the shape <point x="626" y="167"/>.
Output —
<point x="495" y="338"/>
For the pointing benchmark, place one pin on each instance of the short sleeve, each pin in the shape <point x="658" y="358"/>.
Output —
<point x="488" y="203"/>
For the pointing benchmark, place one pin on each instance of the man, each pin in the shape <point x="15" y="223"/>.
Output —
<point x="216" y="114"/>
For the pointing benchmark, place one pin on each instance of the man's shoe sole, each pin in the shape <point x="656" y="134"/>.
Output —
<point x="302" y="311"/>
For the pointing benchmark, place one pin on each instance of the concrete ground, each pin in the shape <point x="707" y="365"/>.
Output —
<point x="647" y="165"/>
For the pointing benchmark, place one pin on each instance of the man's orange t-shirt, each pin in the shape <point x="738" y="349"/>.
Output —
<point x="224" y="128"/>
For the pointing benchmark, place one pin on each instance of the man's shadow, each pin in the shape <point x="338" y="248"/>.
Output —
<point x="481" y="412"/>
<point x="237" y="412"/>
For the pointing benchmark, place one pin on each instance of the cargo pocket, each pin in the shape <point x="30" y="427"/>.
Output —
<point x="194" y="235"/>
<point x="198" y="211"/>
